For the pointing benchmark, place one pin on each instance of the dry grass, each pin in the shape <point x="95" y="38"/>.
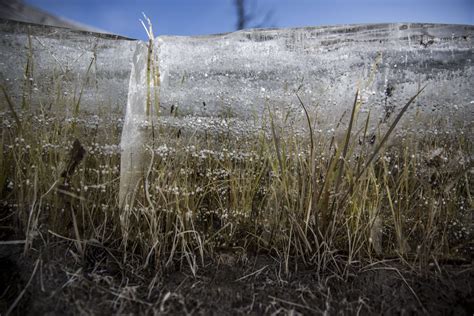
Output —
<point x="310" y="198"/>
<point x="335" y="200"/>
<point x="316" y="197"/>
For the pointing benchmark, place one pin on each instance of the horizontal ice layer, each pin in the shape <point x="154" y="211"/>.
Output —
<point x="235" y="83"/>
<point x="240" y="74"/>
<point x="228" y="83"/>
<point x="62" y="66"/>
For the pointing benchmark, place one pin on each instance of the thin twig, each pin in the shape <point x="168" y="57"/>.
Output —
<point x="253" y="273"/>
<point x="291" y="303"/>
<point x="13" y="242"/>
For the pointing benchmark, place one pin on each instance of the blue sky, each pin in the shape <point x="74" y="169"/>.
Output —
<point x="194" y="17"/>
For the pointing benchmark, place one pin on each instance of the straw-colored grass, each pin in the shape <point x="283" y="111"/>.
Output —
<point x="316" y="198"/>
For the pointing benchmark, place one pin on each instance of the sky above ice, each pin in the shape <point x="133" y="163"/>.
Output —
<point x="194" y="17"/>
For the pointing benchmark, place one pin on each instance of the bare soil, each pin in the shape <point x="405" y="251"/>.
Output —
<point x="231" y="284"/>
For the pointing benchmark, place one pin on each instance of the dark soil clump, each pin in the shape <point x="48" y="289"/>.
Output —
<point x="229" y="285"/>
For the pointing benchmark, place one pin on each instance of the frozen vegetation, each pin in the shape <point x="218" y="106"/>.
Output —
<point x="315" y="198"/>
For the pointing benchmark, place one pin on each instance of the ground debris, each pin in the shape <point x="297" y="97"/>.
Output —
<point x="255" y="286"/>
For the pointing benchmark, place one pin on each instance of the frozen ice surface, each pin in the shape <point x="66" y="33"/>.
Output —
<point x="136" y="129"/>
<point x="230" y="82"/>
<point x="241" y="73"/>
<point x="65" y="63"/>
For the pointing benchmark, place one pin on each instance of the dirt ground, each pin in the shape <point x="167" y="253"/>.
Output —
<point x="63" y="284"/>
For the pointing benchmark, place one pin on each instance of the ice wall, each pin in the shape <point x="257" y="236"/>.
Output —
<point x="227" y="82"/>
<point x="238" y="72"/>
<point x="63" y="66"/>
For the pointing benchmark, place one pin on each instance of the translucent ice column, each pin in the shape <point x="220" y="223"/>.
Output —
<point x="143" y="97"/>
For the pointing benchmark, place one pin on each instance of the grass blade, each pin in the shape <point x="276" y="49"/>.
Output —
<point x="388" y="133"/>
